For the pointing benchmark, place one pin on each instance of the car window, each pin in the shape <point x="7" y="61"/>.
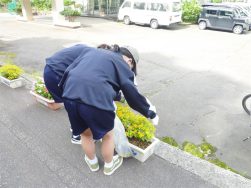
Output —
<point x="157" y="7"/>
<point x="226" y="13"/>
<point x="127" y="4"/>
<point x="139" y="5"/>
<point x="211" y="12"/>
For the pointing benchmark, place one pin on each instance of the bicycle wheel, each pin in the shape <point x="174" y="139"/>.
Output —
<point x="246" y="103"/>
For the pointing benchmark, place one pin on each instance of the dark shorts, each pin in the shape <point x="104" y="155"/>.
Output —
<point x="84" y="116"/>
<point x="51" y="80"/>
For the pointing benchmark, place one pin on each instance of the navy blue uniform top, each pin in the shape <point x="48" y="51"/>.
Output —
<point x="97" y="77"/>
<point x="63" y="58"/>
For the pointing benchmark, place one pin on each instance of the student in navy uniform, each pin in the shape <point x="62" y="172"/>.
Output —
<point x="53" y="72"/>
<point x="90" y="86"/>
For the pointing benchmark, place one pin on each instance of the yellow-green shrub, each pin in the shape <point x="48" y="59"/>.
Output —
<point x="136" y="125"/>
<point x="10" y="71"/>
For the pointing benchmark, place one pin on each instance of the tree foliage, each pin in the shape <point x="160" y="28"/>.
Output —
<point x="42" y="4"/>
<point x="190" y="11"/>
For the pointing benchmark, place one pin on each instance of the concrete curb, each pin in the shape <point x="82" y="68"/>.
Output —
<point x="204" y="169"/>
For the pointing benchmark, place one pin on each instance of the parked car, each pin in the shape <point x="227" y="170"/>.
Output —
<point x="224" y="18"/>
<point x="152" y="12"/>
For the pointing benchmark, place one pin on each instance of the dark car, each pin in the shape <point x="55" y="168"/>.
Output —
<point x="224" y="18"/>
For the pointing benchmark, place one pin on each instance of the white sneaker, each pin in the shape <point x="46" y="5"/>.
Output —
<point x="93" y="167"/>
<point x="117" y="162"/>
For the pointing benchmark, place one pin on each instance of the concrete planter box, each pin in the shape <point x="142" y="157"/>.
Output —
<point x="41" y="99"/>
<point x="19" y="82"/>
<point x="143" y="154"/>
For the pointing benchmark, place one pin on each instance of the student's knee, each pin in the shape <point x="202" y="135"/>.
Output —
<point x="108" y="135"/>
<point x="87" y="133"/>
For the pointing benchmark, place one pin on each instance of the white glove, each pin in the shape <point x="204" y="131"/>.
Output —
<point x="153" y="108"/>
<point x="155" y="121"/>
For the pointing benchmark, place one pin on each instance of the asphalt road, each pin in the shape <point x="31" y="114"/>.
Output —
<point x="195" y="78"/>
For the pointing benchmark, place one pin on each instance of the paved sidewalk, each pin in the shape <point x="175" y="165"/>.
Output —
<point x="36" y="152"/>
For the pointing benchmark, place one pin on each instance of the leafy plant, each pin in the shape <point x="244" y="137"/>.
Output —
<point x="170" y="141"/>
<point x="42" y="4"/>
<point x="70" y="13"/>
<point x="207" y="148"/>
<point x="18" y="8"/>
<point x="136" y="125"/>
<point x="42" y="90"/>
<point x="192" y="149"/>
<point x="68" y="2"/>
<point x="190" y="11"/>
<point x="10" y="71"/>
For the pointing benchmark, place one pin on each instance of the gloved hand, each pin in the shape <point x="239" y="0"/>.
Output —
<point x="155" y="121"/>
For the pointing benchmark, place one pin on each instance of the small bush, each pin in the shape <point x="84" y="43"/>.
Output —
<point x="42" y="4"/>
<point x="170" y="141"/>
<point x="136" y="125"/>
<point x="190" y="11"/>
<point x="42" y="90"/>
<point x="10" y="71"/>
<point x="68" y="2"/>
<point x="69" y="12"/>
<point x="192" y="149"/>
<point x="207" y="148"/>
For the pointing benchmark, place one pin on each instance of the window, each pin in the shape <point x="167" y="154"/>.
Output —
<point x="226" y="13"/>
<point x="157" y="7"/>
<point x="211" y="12"/>
<point x="139" y="5"/>
<point x="127" y="4"/>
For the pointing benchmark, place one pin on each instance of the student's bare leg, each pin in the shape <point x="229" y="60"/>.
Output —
<point x="88" y="144"/>
<point x="107" y="148"/>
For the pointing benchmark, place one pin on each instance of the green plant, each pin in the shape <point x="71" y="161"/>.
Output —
<point x="70" y="13"/>
<point x="42" y="90"/>
<point x="190" y="11"/>
<point x="68" y="2"/>
<point x="42" y="4"/>
<point x="10" y="71"/>
<point x="192" y="149"/>
<point x="207" y="149"/>
<point x="4" y="2"/>
<point x="170" y="141"/>
<point x="18" y="8"/>
<point x="136" y="126"/>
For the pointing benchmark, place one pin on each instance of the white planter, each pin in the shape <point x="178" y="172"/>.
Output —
<point x="143" y="154"/>
<point x="41" y="99"/>
<point x="19" y="82"/>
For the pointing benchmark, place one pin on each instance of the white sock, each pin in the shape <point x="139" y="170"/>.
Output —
<point x="92" y="161"/>
<point x="109" y="165"/>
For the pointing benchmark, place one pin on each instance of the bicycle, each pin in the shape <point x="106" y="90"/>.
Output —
<point x="246" y="104"/>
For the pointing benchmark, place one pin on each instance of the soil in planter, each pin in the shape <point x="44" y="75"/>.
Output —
<point x="139" y="143"/>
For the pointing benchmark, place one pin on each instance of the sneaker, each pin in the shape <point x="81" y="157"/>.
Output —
<point x="117" y="162"/>
<point x="71" y="129"/>
<point x="76" y="139"/>
<point x="93" y="167"/>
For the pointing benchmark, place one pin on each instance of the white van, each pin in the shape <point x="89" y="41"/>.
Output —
<point x="153" y="12"/>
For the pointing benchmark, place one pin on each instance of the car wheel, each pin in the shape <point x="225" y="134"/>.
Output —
<point x="127" y="20"/>
<point x="154" y="24"/>
<point x="202" y="25"/>
<point x="238" y="29"/>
